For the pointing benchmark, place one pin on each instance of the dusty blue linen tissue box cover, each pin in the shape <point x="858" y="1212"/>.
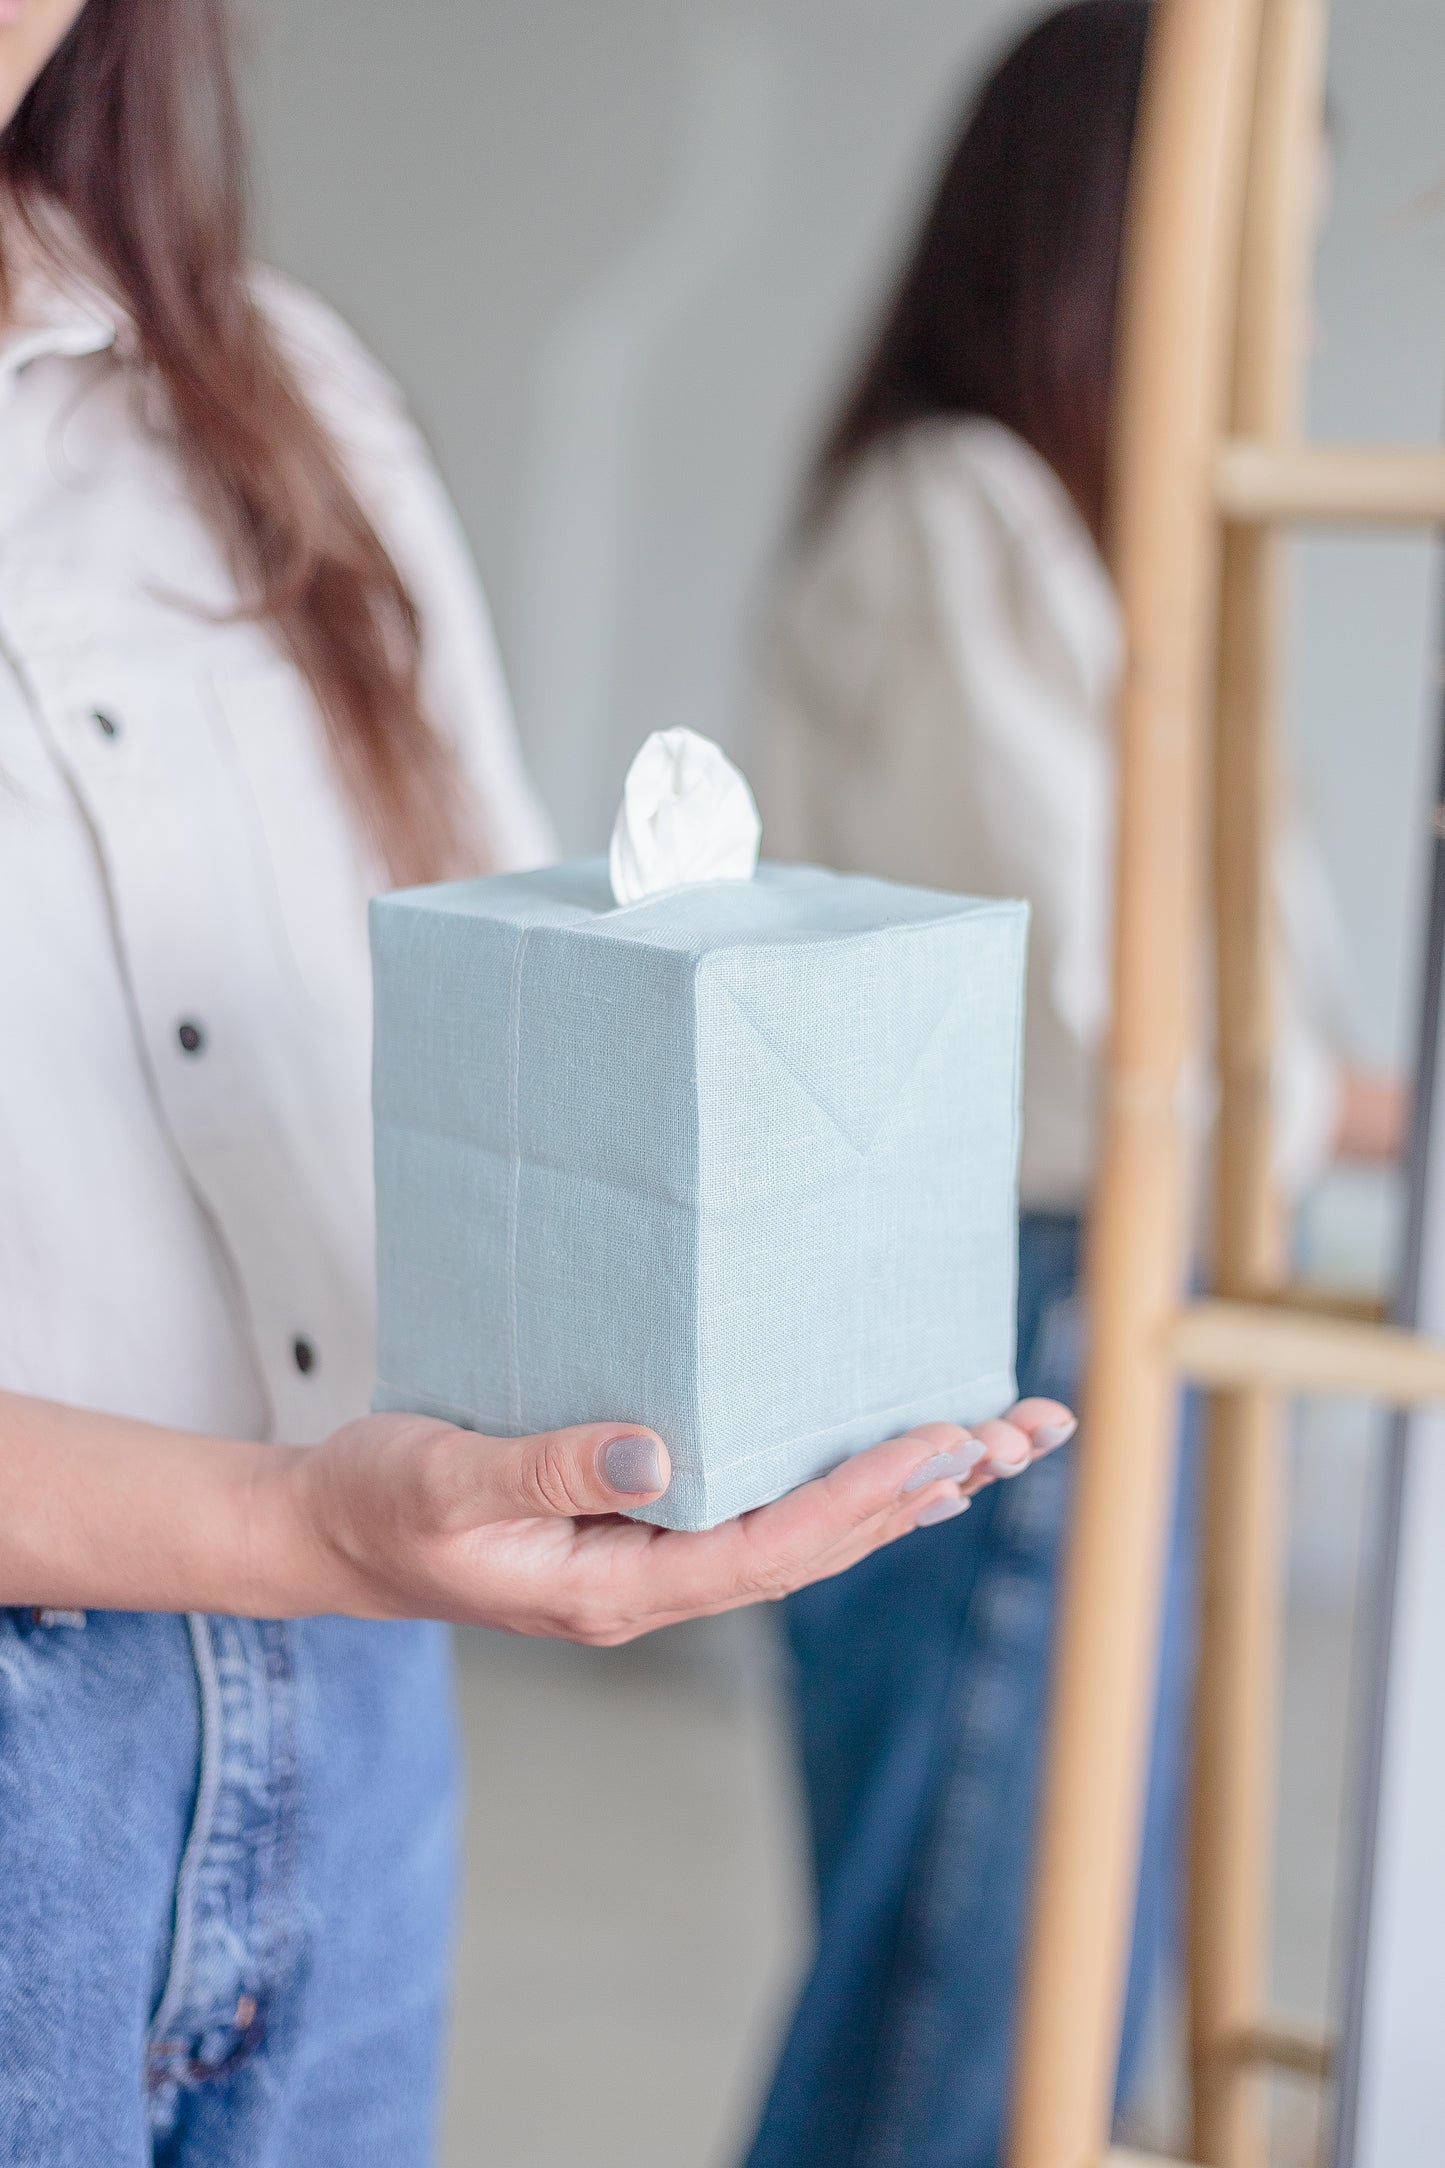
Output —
<point x="738" y="1162"/>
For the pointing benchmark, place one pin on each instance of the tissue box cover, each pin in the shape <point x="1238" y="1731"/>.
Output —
<point x="737" y="1162"/>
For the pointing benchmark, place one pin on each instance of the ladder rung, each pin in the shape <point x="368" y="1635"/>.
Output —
<point x="1349" y="485"/>
<point x="1124" y="2156"/>
<point x="1283" y="2043"/>
<point x="1324" y="1302"/>
<point x="1223" y="1344"/>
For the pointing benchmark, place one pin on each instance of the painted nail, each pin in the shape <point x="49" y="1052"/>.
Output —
<point x="633" y="1465"/>
<point x="1007" y="1468"/>
<point x="943" y="1509"/>
<point x="955" y="1466"/>
<point x="1048" y="1435"/>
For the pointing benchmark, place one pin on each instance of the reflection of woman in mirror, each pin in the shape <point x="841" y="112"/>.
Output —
<point x="936" y="706"/>
<point x="245" y="678"/>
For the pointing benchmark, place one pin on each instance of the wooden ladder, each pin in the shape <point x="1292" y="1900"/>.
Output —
<point x="1208" y="467"/>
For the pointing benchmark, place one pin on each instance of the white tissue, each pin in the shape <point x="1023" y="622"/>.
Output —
<point x="686" y="815"/>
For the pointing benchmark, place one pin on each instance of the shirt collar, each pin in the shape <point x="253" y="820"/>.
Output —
<point x="56" y="303"/>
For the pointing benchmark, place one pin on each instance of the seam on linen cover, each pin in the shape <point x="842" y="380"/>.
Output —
<point x="541" y="1163"/>
<point x="764" y="1038"/>
<point x="514" y="1183"/>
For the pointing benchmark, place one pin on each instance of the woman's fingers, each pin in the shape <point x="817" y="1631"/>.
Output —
<point x="1028" y="1431"/>
<point x="558" y="1474"/>
<point x="597" y="1468"/>
<point x="869" y="1501"/>
<point x="812" y="1532"/>
<point x="871" y="1535"/>
<point x="611" y="1580"/>
<point x="1046" y="1423"/>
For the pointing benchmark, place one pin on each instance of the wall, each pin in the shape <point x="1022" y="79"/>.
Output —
<point x="619" y="251"/>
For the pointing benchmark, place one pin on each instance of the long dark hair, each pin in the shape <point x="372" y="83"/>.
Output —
<point x="1007" y="305"/>
<point x="132" y="127"/>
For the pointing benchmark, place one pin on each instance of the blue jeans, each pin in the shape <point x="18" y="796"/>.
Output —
<point x="226" y="1876"/>
<point x="921" y="1682"/>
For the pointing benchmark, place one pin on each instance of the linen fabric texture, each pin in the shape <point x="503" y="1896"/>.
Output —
<point x="738" y="1162"/>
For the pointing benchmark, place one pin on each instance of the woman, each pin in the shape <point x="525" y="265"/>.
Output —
<point x="244" y="677"/>
<point x="937" y="706"/>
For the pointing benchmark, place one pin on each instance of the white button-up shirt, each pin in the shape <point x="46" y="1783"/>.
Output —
<point x="937" y="705"/>
<point x="185" y="1140"/>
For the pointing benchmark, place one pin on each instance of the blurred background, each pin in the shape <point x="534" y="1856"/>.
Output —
<point x="620" y="254"/>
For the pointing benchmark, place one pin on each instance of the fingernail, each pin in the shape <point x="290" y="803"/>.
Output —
<point x="633" y="1464"/>
<point x="1048" y="1435"/>
<point x="954" y="1466"/>
<point x="943" y="1509"/>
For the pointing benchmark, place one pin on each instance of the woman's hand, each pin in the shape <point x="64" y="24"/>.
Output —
<point x="405" y="1517"/>
<point x="396" y="1516"/>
